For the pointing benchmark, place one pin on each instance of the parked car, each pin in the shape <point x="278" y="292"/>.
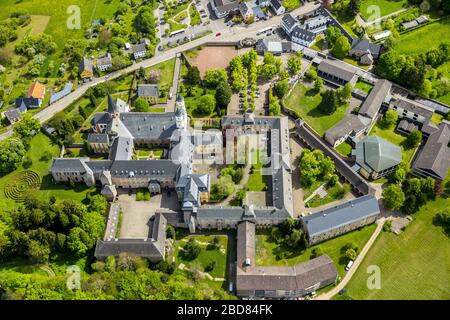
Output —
<point x="349" y="265"/>
<point x="218" y="34"/>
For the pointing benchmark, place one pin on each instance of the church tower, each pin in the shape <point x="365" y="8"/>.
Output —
<point x="180" y="113"/>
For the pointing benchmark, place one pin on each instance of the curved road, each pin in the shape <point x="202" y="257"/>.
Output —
<point x="227" y="35"/>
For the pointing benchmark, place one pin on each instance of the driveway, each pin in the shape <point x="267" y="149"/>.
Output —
<point x="137" y="214"/>
<point x="297" y="191"/>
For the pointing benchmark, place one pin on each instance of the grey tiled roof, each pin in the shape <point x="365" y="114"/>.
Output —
<point x="69" y="164"/>
<point x="375" y="99"/>
<point x="412" y="106"/>
<point x="435" y="155"/>
<point x="361" y="44"/>
<point x="86" y="64"/>
<point x="340" y="70"/>
<point x="347" y="126"/>
<point x="147" y="90"/>
<point x="341" y="215"/>
<point x="98" y="138"/>
<point x="289" y="21"/>
<point x="303" y="34"/>
<point x="138" y="48"/>
<point x="121" y="149"/>
<point x="148" y="125"/>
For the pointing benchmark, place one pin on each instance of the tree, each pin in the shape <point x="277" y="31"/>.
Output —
<point x="332" y="34"/>
<point x="341" y="48"/>
<point x="144" y="22"/>
<point x="393" y="197"/>
<point x="314" y="165"/>
<point x="141" y="105"/>
<point x="192" y="249"/>
<point x="206" y="104"/>
<point x="353" y="8"/>
<point x="223" y="94"/>
<point x="222" y="188"/>
<point x="294" y="63"/>
<point x="26" y="126"/>
<point x="350" y="254"/>
<point x="78" y="241"/>
<point x="12" y="152"/>
<point x="400" y="172"/>
<point x="281" y="88"/>
<point x="318" y="84"/>
<point x="413" y="139"/>
<point x="389" y="119"/>
<point x="215" y="77"/>
<point x="311" y="74"/>
<point x="330" y="102"/>
<point x="38" y="252"/>
<point x="317" y="252"/>
<point x="267" y="71"/>
<point x="193" y="76"/>
<point x="345" y="93"/>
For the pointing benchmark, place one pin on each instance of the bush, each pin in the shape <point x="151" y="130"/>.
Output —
<point x="191" y="249"/>
<point x="143" y="195"/>
<point x="27" y="162"/>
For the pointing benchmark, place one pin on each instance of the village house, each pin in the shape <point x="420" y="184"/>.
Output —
<point x="149" y="92"/>
<point x="104" y="63"/>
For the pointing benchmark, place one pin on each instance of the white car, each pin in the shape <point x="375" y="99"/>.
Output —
<point x="349" y="265"/>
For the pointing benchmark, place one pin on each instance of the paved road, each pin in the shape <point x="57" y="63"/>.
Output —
<point x="330" y="294"/>
<point x="229" y="35"/>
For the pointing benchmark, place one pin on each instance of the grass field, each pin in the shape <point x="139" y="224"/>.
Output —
<point x="39" y="145"/>
<point x="394" y="137"/>
<point x="304" y="102"/>
<point x="344" y="149"/>
<point x="364" y="86"/>
<point x="207" y="255"/>
<point x="267" y="249"/>
<point x="386" y="7"/>
<point x="334" y="193"/>
<point x="430" y="37"/>
<point x="414" y="264"/>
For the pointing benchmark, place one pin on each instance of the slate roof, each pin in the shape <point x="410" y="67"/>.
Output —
<point x="435" y="155"/>
<point x="289" y="21"/>
<point x="226" y="5"/>
<point x="101" y="118"/>
<point x="407" y="125"/>
<point x="149" y="125"/>
<point x="337" y="69"/>
<point x="27" y="102"/>
<point x="341" y="215"/>
<point x="376" y="154"/>
<point x="12" y="114"/>
<point x="412" y="106"/>
<point x="375" y="99"/>
<point x="362" y="44"/>
<point x="86" y="65"/>
<point x="137" y="48"/>
<point x="303" y="34"/>
<point x="60" y="94"/>
<point x="117" y="105"/>
<point x="69" y="165"/>
<point x="121" y="149"/>
<point x="350" y="125"/>
<point x="276" y="4"/>
<point x="98" y="138"/>
<point x="104" y="60"/>
<point x="147" y="90"/>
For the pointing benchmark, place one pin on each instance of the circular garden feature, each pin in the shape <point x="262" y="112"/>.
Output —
<point x="21" y="184"/>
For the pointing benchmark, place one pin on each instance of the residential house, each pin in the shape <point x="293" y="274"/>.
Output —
<point x="13" y="114"/>
<point x="434" y="159"/>
<point x="224" y="7"/>
<point x="376" y="157"/>
<point x="367" y="59"/>
<point x="277" y="7"/>
<point x="317" y="24"/>
<point x="139" y="51"/>
<point x="149" y="92"/>
<point x="86" y="69"/>
<point x="37" y="91"/>
<point x="360" y="47"/>
<point x="302" y="36"/>
<point x="263" y="3"/>
<point x="104" y="63"/>
<point x="340" y="219"/>
<point x="412" y="110"/>
<point x="28" y="103"/>
<point x="246" y="11"/>
<point x="378" y="97"/>
<point x="288" y="23"/>
<point x="351" y="126"/>
<point x="61" y="94"/>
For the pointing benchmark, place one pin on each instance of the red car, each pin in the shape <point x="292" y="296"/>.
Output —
<point x="218" y="34"/>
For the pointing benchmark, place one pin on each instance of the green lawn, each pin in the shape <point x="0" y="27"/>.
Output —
<point x="166" y="68"/>
<point x="304" y="102"/>
<point x="414" y="264"/>
<point x="386" y="7"/>
<point x="394" y="137"/>
<point x="256" y="181"/>
<point x="39" y="145"/>
<point x="267" y="249"/>
<point x="334" y="193"/>
<point x="207" y="255"/>
<point x="430" y="37"/>
<point x="195" y="16"/>
<point x="344" y="149"/>
<point x="364" y="86"/>
<point x="192" y="101"/>
<point x="175" y="26"/>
